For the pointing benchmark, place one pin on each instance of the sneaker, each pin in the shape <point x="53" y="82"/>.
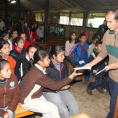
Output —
<point x="89" y="91"/>
<point x="100" y="90"/>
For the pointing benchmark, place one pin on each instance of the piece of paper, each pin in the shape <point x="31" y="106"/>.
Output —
<point x="101" y="70"/>
<point x="83" y="68"/>
<point x="81" y="62"/>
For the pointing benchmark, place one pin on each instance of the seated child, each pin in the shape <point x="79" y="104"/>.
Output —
<point x="58" y="71"/>
<point x="13" y="61"/>
<point x="9" y="91"/>
<point x="80" y="51"/>
<point x="19" y="51"/>
<point x="31" y="97"/>
<point x="98" y="81"/>
<point x="27" y="61"/>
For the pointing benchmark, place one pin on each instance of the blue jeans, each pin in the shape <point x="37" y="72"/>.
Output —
<point x="69" y="59"/>
<point x="64" y="100"/>
<point x="12" y="115"/>
<point x="113" y="86"/>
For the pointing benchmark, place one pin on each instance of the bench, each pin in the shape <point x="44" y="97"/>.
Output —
<point x="82" y="115"/>
<point x="116" y="109"/>
<point x="20" y="112"/>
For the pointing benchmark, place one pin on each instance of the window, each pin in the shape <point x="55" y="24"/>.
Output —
<point x="77" y="19"/>
<point x="64" y="18"/>
<point x="95" y="19"/>
<point x="38" y="16"/>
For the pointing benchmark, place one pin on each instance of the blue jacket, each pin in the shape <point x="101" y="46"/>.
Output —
<point x="80" y="53"/>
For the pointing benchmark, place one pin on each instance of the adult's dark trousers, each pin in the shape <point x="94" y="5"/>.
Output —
<point x="113" y="86"/>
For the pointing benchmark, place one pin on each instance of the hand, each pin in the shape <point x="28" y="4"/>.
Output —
<point x="65" y="87"/>
<point x="74" y="74"/>
<point x="112" y="66"/>
<point x="7" y="115"/>
<point x="89" y="64"/>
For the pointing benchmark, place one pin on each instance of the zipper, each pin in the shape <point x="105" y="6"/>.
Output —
<point x="5" y="92"/>
<point x="115" y="40"/>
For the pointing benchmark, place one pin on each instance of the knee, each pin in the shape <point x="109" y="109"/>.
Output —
<point x="64" y="113"/>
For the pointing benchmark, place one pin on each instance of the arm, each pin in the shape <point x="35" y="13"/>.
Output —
<point x="67" y="48"/>
<point x="16" y="96"/>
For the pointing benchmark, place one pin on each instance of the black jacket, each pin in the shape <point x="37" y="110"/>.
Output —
<point x="55" y="74"/>
<point x="20" y="56"/>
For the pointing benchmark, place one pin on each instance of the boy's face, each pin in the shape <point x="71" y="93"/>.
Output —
<point x="15" y="34"/>
<point x="94" y="41"/>
<point x="99" y="47"/>
<point x="83" y="39"/>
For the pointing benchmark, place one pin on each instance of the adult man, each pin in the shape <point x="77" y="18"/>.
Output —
<point x="110" y="48"/>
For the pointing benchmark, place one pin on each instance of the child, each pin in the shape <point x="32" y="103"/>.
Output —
<point x="9" y="91"/>
<point x="18" y="51"/>
<point x="27" y="61"/>
<point x="58" y="71"/>
<point x="68" y="46"/>
<point x="26" y="43"/>
<point x="92" y="46"/>
<point x="80" y="51"/>
<point x="33" y="82"/>
<point x="13" y="61"/>
<point x="14" y="34"/>
<point x="5" y="36"/>
<point x="98" y="82"/>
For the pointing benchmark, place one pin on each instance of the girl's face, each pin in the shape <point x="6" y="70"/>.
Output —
<point x="20" y="44"/>
<point x="23" y="36"/>
<point x="73" y="37"/>
<point x="5" y="73"/>
<point x="6" y="37"/>
<point x="15" y="34"/>
<point x="31" y="52"/>
<point x="45" y="63"/>
<point x="5" y="49"/>
<point x="25" y="24"/>
<point x="60" y="57"/>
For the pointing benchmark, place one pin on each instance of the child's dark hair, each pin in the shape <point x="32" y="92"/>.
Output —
<point x="70" y="39"/>
<point x="2" y="63"/>
<point x="3" y="42"/>
<point x="98" y="42"/>
<point x="55" y="50"/>
<point x="94" y="37"/>
<point x="30" y="46"/>
<point x="3" y="33"/>
<point x="22" y="33"/>
<point x="16" y="40"/>
<point x="39" y="56"/>
<point x="82" y="34"/>
<point x="14" y="31"/>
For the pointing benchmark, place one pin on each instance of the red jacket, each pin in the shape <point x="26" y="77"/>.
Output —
<point x="9" y="95"/>
<point x="26" y="44"/>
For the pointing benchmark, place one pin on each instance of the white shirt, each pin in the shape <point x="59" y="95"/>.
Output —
<point x="40" y="32"/>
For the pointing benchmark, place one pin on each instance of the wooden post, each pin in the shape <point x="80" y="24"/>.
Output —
<point x="18" y="9"/>
<point x="46" y="20"/>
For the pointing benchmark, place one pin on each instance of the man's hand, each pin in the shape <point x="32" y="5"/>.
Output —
<point x="7" y="115"/>
<point x="112" y="66"/>
<point x="89" y="64"/>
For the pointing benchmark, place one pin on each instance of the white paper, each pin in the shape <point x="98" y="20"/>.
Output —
<point x="101" y="70"/>
<point x="83" y="68"/>
<point x="81" y="62"/>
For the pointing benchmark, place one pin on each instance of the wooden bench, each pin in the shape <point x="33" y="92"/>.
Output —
<point x="20" y="112"/>
<point x="82" y="115"/>
<point x="116" y="109"/>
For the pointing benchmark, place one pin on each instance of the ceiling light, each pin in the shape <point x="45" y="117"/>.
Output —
<point x="13" y="1"/>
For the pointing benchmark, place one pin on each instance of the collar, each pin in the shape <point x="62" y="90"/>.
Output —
<point x="27" y="58"/>
<point x="39" y="67"/>
<point x="112" y="32"/>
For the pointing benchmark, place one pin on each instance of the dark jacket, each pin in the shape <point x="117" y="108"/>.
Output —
<point x="9" y="95"/>
<point x="55" y="74"/>
<point x="20" y="56"/>
<point x="36" y="77"/>
<point x="101" y="65"/>
<point x="26" y="65"/>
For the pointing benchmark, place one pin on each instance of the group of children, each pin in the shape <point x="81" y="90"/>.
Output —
<point x="78" y="51"/>
<point x="43" y="80"/>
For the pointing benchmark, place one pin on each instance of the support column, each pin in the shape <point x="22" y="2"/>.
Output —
<point x="6" y="9"/>
<point x="46" y="20"/>
<point x="18" y="9"/>
<point x="84" y="19"/>
<point x="69" y="18"/>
